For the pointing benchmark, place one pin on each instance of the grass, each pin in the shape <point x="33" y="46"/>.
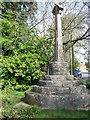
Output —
<point x="9" y="98"/>
<point x="62" y="113"/>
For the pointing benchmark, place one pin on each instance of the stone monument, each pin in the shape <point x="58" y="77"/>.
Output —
<point x="58" y="67"/>
<point x="58" y="89"/>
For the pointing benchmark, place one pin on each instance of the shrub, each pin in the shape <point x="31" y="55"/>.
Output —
<point x="24" y="53"/>
<point x="88" y="84"/>
<point x="21" y="112"/>
<point x="23" y="66"/>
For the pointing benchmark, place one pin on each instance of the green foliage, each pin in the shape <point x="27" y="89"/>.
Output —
<point x="75" y="65"/>
<point x="24" y="64"/>
<point x="88" y="84"/>
<point x="10" y="97"/>
<point x="24" y="53"/>
<point x="20" y="112"/>
<point x="88" y="65"/>
<point x="87" y="58"/>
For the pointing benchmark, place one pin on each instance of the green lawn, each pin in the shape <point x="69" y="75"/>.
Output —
<point x="62" y="113"/>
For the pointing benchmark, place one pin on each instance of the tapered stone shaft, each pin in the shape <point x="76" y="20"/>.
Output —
<point x="58" y="52"/>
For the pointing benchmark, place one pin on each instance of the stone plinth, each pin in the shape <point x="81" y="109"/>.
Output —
<point x="58" y="68"/>
<point x="60" y="94"/>
<point x="51" y="90"/>
<point x="71" y="101"/>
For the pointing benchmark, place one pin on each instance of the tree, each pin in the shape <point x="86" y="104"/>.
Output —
<point x="87" y="58"/>
<point x="74" y="30"/>
<point x="24" y="52"/>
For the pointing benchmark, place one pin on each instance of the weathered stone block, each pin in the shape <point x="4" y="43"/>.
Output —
<point x="46" y="101"/>
<point x="67" y="84"/>
<point x="60" y="91"/>
<point x="45" y="83"/>
<point x="58" y="68"/>
<point x="23" y="104"/>
<point x="55" y="77"/>
<point x="50" y="90"/>
<point x="78" y="100"/>
<point x="69" y="77"/>
<point x="72" y="101"/>
<point x="83" y="89"/>
<point x="76" y="82"/>
<point x="57" y="83"/>
<point x="79" y="89"/>
<point x="50" y="83"/>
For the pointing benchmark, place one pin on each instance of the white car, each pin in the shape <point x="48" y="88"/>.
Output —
<point x="85" y="74"/>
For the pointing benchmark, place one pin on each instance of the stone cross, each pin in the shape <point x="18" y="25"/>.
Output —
<point x="58" y="51"/>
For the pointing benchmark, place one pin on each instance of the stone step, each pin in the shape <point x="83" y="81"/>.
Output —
<point x="59" y="77"/>
<point x="56" y="101"/>
<point x="67" y="84"/>
<point x="50" y="90"/>
<point x="79" y="89"/>
<point x="71" y="84"/>
<point x="76" y="82"/>
<point x="23" y="104"/>
<point x="50" y="83"/>
<point x="46" y="101"/>
<point x="63" y="83"/>
<point x="55" y="77"/>
<point x="65" y="89"/>
<point x="69" y="77"/>
<point x="45" y="83"/>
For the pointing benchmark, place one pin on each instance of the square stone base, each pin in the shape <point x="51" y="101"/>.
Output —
<point x="58" y="68"/>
